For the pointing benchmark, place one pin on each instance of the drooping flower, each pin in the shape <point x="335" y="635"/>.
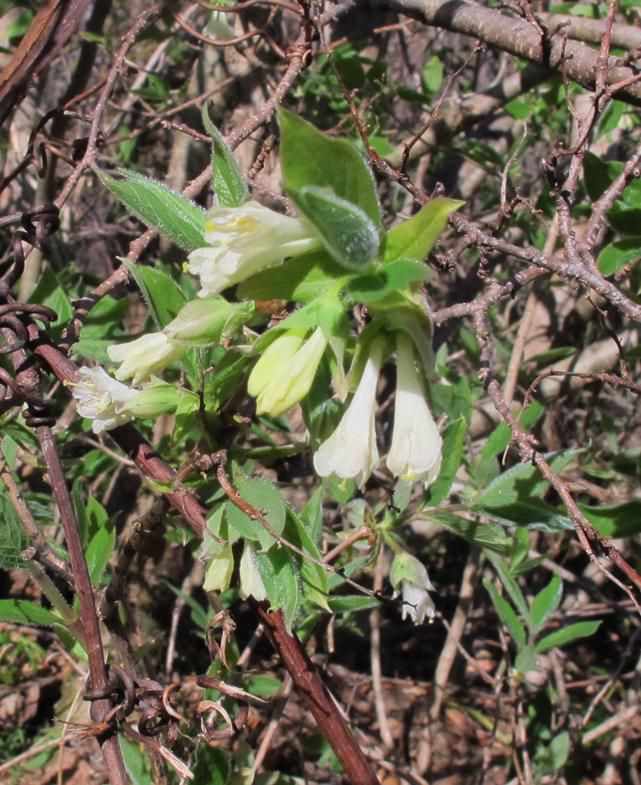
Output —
<point x="283" y="375"/>
<point x="244" y="240"/>
<point x="415" y="451"/>
<point x="219" y="568"/>
<point x="409" y="578"/>
<point x="251" y="582"/>
<point x="351" y="452"/>
<point x="109" y="403"/>
<point x="145" y="356"/>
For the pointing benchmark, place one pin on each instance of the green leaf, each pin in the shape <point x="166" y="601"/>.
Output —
<point x="162" y="295"/>
<point x="521" y="483"/>
<point x="302" y="278"/>
<point x="351" y="603"/>
<point x="506" y="614"/>
<point x="616" y="255"/>
<point x="625" y="219"/>
<point x="280" y="576"/>
<point x="212" y="766"/>
<point x="102" y="542"/>
<point x="159" y="207"/>
<point x="101" y="329"/>
<point x="398" y="276"/>
<point x="415" y="238"/>
<point x="263" y="685"/>
<point x="519" y="108"/>
<point x="510" y="585"/>
<point x="581" y="629"/>
<point x="136" y="762"/>
<point x="555" y="756"/>
<point x="13" y="539"/>
<point x="525" y="660"/>
<point x="26" y="612"/>
<point x="499" y="440"/>
<point x="453" y="446"/>
<point x="311" y="158"/>
<point x="545" y="603"/>
<point x="265" y="498"/>
<point x="314" y="582"/>
<point x="50" y="291"/>
<point x="533" y="514"/>
<point x="488" y="536"/>
<point x="598" y="174"/>
<point x="347" y="232"/>
<point x="432" y="74"/>
<point x="615" y="520"/>
<point x="229" y="184"/>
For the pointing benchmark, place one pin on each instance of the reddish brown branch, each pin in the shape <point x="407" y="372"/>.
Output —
<point x="323" y="708"/>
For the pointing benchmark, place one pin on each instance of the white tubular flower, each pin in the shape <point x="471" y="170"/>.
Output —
<point x="101" y="398"/>
<point x="243" y="240"/>
<point x="109" y="403"/>
<point x="145" y="356"/>
<point x="415" y="452"/>
<point x="350" y="452"/>
<point x="283" y="375"/>
<point x="410" y="579"/>
<point x="251" y="582"/>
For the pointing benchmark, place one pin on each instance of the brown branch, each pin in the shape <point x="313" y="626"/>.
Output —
<point x="590" y="30"/>
<point x="576" y="61"/>
<point x="324" y="710"/>
<point x="50" y="29"/>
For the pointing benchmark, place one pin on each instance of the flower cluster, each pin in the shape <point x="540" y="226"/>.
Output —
<point x="415" y="451"/>
<point x="243" y="241"/>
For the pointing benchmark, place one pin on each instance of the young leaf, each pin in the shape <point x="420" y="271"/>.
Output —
<point x="415" y="238"/>
<point x="525" y="660"/>
<point x="506" y="615"/>
<point x="345" y="229"/>
<point x="581" y="629"/>
<point x="159" y="207"/>
<point x="545" y="603"/>
<point x="510" y="585"/>
<point x="398" y="276"/>
<point x="302" y="278"/>
<point x="311" y="158"/>
<point x="162" y="295"/>
<point x="553" y="757"/>
<point x="228" y="182"/>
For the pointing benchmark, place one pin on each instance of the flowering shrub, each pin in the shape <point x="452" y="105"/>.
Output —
<point x="323" y="269"/>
